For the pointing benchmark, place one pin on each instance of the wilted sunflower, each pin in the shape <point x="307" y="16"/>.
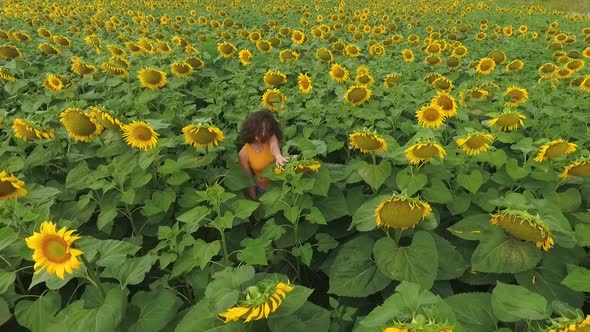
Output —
<point x="401" y="212"/>
<point x="53" y="250"/>
<point x="105" y="119"/>
<point x="260" y="302"/>
<point x="424" y="151"/>
<point x="48" y="49"/>
<point x="357" y="94"/>
<point x="430" y="116"/>
<point x="79" y="125"/>
<point x="579" y="168"/>
<point x="273" y="99"/>
<point x="10" y="52"/>
<point x="408" y="55"/>
<point x="304" y="83"/>
<point x="272" y="78"/>
<point x="514" y="66"/>
<point x="226" y="49"/>
<point x="474" y="144"/>
<point x="298" y="37"/>
<point x="181" y="69"/>
<point x="524" y="226"/>
<point x="485" y="66"/>
<point x="367" y="141"/>
<point x="391" y="81"/>
<point x="53" y="83"/>
<point x="339" y="73"/>
<point x="140" y="135"/>
<point x="516" y="96"/>
<point x="305" y="166"/>
<point x="555" y="149"/>
<point x="443" y="83"/>
<point x="244" y="56"/>
<point x="324" y="55"/>
<point x="202" y="135"/>
<point x="585" y="84"/>
<point x="25" y="131"/>
<point x="508" y="121"/>
<point x="152" y="78"/>
<point x="10" y="187"/>
<point x="446" y="102"/>
<point x="6" y="76"/>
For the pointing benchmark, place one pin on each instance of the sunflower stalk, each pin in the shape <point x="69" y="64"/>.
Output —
<point x="93" y="276"/>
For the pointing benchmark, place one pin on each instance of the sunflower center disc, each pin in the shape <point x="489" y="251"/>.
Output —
<point x="6" y="188"/>
<point x="153" y="77"/>
<point x="431" y="115"/>
<point x="80" y="124"/>
<point x="204" y="136"/>
<point x="425" y="151"/>
<point x="401" y="214"/>
<point x="445" y="103"/>
<point x="508" y="120"/>
<point x="142" y="134"/>
<point x="357" y="95"/>
<point x="521" y="229"/>
<point x="476" y="142"/>
<point x="556" y="150"/>
<point x="367" y="143"/>
<point x="581" y="170"/>
<point x="54" y="248"/>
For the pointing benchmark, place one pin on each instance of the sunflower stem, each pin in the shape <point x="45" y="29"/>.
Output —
<point x="398" y="236"/>
<point x="224" y="244"/>
<point x="93" y="276"/>
<point x="374" y="158"/>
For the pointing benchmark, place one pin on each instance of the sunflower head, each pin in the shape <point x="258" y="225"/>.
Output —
<point x="115" y="70"/>
<point x="391" y="80"/>
<point x="53" y="250"/>
<point x="357" y="94"/>
<point x="446" y="102"/>
<point x="555" y="149"/>
<point x="524" y="226"/>
<point x="364" y="79"/>
<point x="273" y="99"/>
<point x="25" y="131"/>
<point x="475" y="143"/>
<point x="304" y="83"/>
<point x="401" y="212"/>
<point x="514" y="66"/>
<point x="244" y="56"/>
<point x="498" y="56"/>
<point x="10" y="52"/>
<point x="48" y="49"/>
<point x="79" y="125"/>
<point x="258" y="302"/>
<point x="53" y="83"/>
<point x="195" y="62"/>
<point x="226" y="49"/>
<point x="181" y="69"/>
<point x="516" y="96"/>
<point x="287" y="56"/>
<point x="367" y="141"/>
<point x="6" y="76"/>
<point x="140" y="135"/>
<point x="580" y="167"/>
<point x="152" y="78"/>
<point x="11" y="187"/>
<point x="272" y="78"/>
<point x="485" y="66"/>
<point x="508" y="121"/>
<point x="339" y="73"/>
<point x="565" y="324"/>
<point x="408" y="55"/>
<point x="430" y="116"/>
<point x="443" y="83"/>
<point x="324" y="55"/>
<point x="351" y="50"/>
<point x="202" y="135"/>
<point x="104" y="119"/>
<point x="423" y="152"/>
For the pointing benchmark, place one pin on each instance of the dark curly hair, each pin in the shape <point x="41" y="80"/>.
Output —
<point x="255" y="124"/>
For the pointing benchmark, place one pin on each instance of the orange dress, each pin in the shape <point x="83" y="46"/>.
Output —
<point x="258" y="161"/>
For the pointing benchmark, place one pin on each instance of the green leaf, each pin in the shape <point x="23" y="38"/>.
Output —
<point x="304" y="252"/>
<point x="577" y="279"/>
<point x="106" y="217"/>
<point x="511" y="303"/>
<point x="410" y="183"/>
<point x="325" y="242"/>
<point x="437" y="192"/>
<point x="582" y="235"/>
<point x="475" y="227"/>
<point x="35" y="315"/>
<point x="193" y="217"/>
<point x="501" y="254"/>
<point x="76" y="178"/>
<point x="416" y="263"/>
<point x="309" y="317"/>
<point x="353" y="273"/>
<point x="451" y="264"/>
<point x="471" y="182"/>
<point x="156" y="309"/>
<point x="6" y="280"/>
<point x="322" y="182"/>
<point x="203" y="317"/>
<point x="203" y="252"/>
<point x="237" y="179"/>
<point x="243" y="208"/>
<point x="5" y="314"/>
<point x="178" y="178"/>
<point x="315" y="216"/>
<point x="293" y="301"/>
<point x="515" y="171"/>
<point x="223" y="290"/>
<point x="133" y="271"/>
<point x="333" y="206"/>
<point x="375" y="175"/>
<point x="364" y="217"/>
<point x="474" y="311"/>
<point x="254" y="251"/>
<point x="7" y="237"/>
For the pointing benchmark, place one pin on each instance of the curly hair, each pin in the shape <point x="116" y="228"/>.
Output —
<point x="255" y="124"/>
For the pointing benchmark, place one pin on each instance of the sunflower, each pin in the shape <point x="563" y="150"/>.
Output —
<point x="45" y="33"/>
<point x="339" y="73"/>
<point x="498" y="56"/>
<point x="79" y="125"/>
<point x="298" y="37"/>
<point x="430" y="78"/>
<point x="377" y="50"/>
<point x="195" y="62"/>
<point x="474" y="144"/>
<point x="287" y="56"/>
<point x="115" y="70"/>
<point x="151" y="78"/>
<point x="555" y="149"/>
<point x="6" y="76"/>
<point x="424" y="151"/>
<point x="53" y="250"/>
<point x="10" y="52"/>
<point x="305" y="166"/>
<point x="514" y="66"/>
<point x="563" y="73"/>
<point x="201" y="135"/>
<point x="48" y="49"/>
<point x="586" y="52"/>
<point x="226" y="49"/>
<point x="401" y="212"/>
<point x="446" y="102"/>
<point x="460" y="51"/>
<point x="53" y="83"/>
<point x="485" y="66"/>
<point x="443" y="83"/>
<point x="140" y="135"/>
<point x="11" y="187"/>
<point x="416" y="326"/>
<point x="324" y="55"/>
<point x="367" y="141"/>
<point x="575" y="65"/>
<point x="304" y="83"/>
<point x="567" y="324"/>
<point x="273" y="99"/>
<point x="164" y="48"/>
<point x="272" y="78"/>
<point x="357" y="94"/>
<point x="524" y="226"/>
<point x="408" y="55"/>
<point x="244" y="56"/>
<point x="105" y="119"/>
<point x="508" y="121"/>
<point x="25" y="131"/>
<point x="82" y="69"/>
<point x="579" y="168"/>
<point x="453" y="62"/>
<point x="585" y="84"/>
<point x="264" y="45"/>
<point x="516" y="96"/>
<point x="391" y="81"/>
<point x="62" y="41"/>
<point x="116" y="50"/>
<point x="433" y="60"/>
<point x="351" y="50"/>
<point x="261" y="301"/>
<point x="478" y="93"/>
<point x="430" y="116"/>
<point x="364" y="79"/>
<point x="181" y="69"/>
<point x="134" y="48"/>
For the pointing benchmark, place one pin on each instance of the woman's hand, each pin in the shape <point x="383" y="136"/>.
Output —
<point x="280" y="160"/>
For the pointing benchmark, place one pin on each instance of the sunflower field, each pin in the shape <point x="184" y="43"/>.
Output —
<point x="437" y="182"/>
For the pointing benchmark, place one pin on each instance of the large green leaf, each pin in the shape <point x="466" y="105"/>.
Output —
<point x="35" y="315"/>
<point x="5" y="314"/>
<point x="577" y="279"/>
<point x="451" y="264"/>
<point x="511" y="303"/>
<point x="6" y="280"/>
<point x="353" y="272"/>
<point x="416" y="263"/>
<point x="156" y="309"/>
<point x="203" y="317"/>
<point x="375" y="175"/>
<point x="410" y="183"/>
<point x="471" y="181"/>
<point x="502" y="254"/>
<point x="293" y="301"/>
<point x="364" y="217"/>
<point x="310" y="317"/>
<point x="133" y="271"/>
<point x="474" y="311"/>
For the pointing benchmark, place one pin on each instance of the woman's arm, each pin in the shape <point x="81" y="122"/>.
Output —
<point x="276" y="151"/>
<point x="243" y="158"/>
